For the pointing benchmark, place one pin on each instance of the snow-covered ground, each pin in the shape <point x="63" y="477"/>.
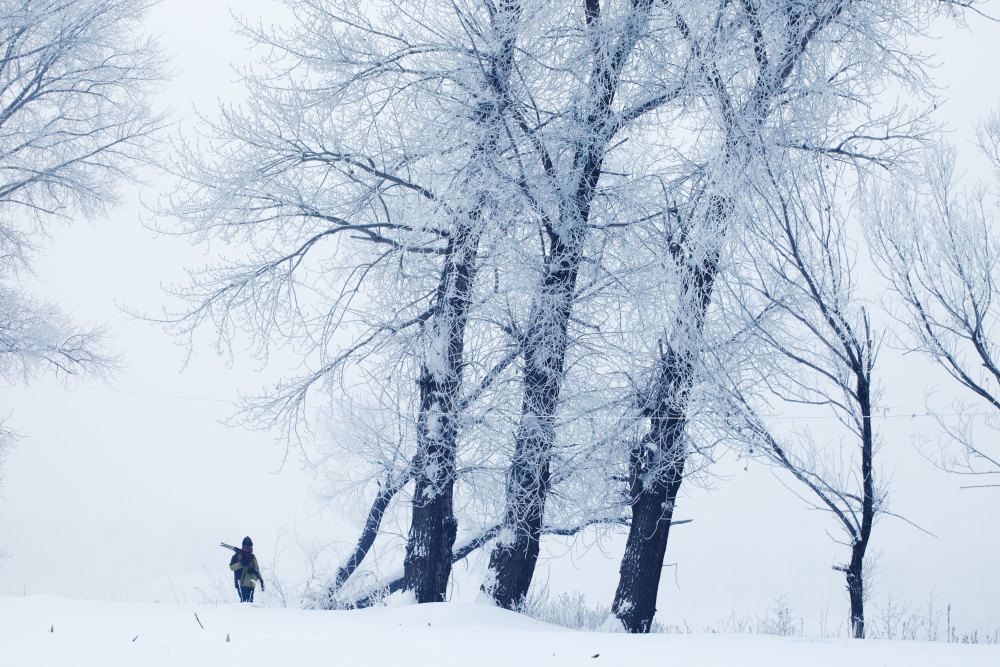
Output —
<point x="49" y="631"/>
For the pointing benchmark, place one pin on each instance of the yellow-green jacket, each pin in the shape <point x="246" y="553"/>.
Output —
<point x="244" y="575"/>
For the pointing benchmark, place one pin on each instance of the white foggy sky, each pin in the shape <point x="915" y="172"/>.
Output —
<point x="125" y="490"/>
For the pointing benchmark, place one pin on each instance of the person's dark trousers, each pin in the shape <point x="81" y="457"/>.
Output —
<point x="245" y="593"/>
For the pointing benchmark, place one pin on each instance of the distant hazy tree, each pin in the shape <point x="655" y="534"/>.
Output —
<point x="74" y="80"/>
<point x="939" y="247"/>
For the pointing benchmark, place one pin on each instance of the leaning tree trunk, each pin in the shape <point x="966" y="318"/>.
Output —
<point x="512" y="562"/>
<point x="656" y="463"/>
<point x="373" y="522"/>
<point x="653" y="487"/>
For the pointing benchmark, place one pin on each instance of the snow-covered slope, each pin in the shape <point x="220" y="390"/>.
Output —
<point x="51" y="631"/>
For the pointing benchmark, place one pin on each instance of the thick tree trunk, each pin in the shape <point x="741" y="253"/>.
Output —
<point x="652" y="512"/>
<point x="512" y="562"/>
<point x="656" y="470"/>
<point x="427" y="565"/>
<point x="656" y="463"/>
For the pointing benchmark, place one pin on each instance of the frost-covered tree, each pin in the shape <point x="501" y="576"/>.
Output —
<point x="812" y="344"/>
<point x="438" y="207"/>
<point x="940" y="250"/>
<point x="621" y="69"/>
<point x="433" y="528"/>
<point x="775" y="76"/>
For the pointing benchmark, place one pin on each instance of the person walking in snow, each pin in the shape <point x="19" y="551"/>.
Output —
<point x="246" y="572"/>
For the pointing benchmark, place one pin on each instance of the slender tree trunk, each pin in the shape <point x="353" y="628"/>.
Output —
<point x="855" y="570"/>
<point x="369" y="533"/>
